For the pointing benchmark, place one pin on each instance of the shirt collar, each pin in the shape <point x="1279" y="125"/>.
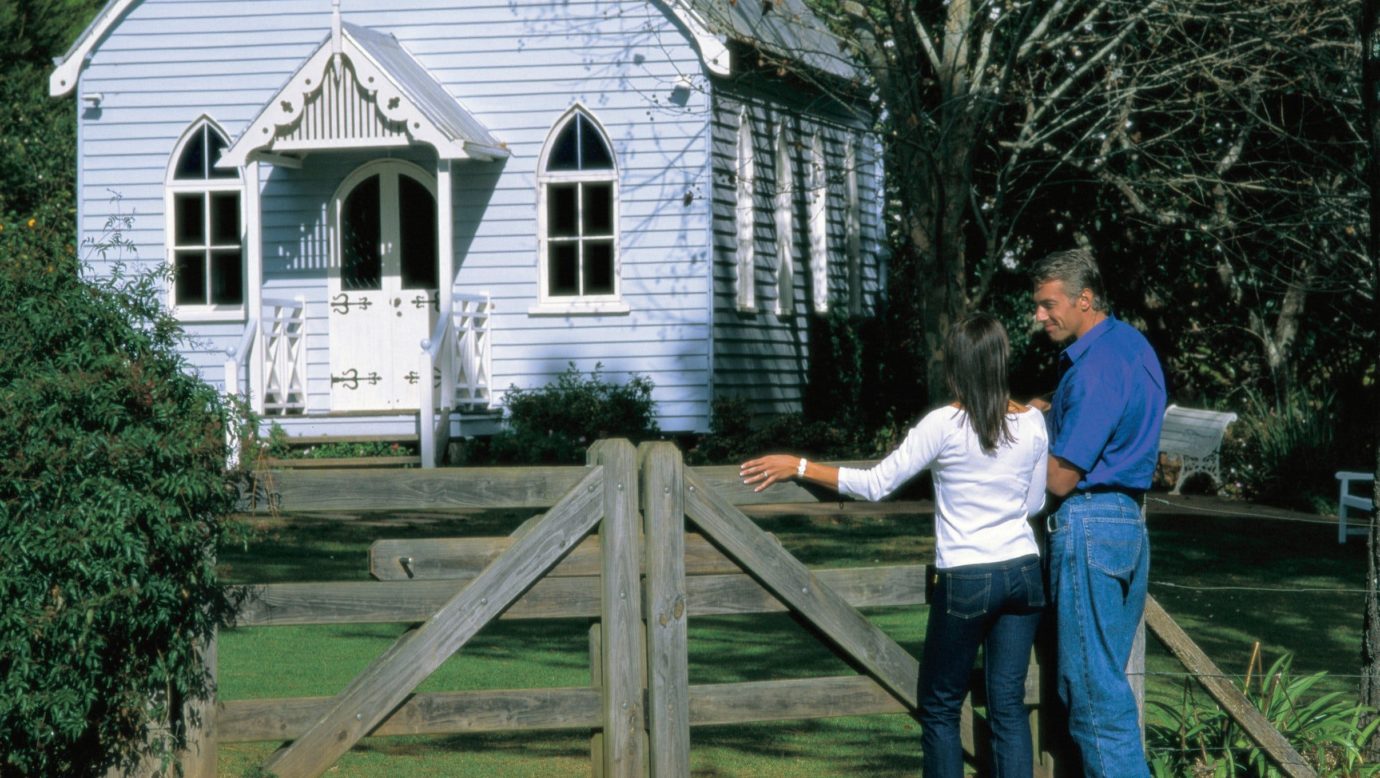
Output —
<point x="1079" y="347"/>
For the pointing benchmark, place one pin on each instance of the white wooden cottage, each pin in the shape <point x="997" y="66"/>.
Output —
<point x="403" y="204"/>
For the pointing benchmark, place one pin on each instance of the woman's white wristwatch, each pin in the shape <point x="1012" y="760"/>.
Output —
<point x="800" y="468"/>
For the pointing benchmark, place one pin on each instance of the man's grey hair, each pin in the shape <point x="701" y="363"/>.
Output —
<point x="1077" y="269"/>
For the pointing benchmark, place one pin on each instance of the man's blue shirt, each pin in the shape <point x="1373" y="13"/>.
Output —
<point x="1106" y="415"/>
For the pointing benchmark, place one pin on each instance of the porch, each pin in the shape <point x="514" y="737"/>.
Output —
<point x="267" y="368"/>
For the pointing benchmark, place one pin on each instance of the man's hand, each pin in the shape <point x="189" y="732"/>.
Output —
<point x="1039" y="403"/>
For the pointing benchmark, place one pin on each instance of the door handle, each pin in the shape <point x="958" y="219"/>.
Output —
<point x="397" y="302"/>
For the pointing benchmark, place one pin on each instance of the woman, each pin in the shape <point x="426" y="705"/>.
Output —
<point x="988" y="456"/>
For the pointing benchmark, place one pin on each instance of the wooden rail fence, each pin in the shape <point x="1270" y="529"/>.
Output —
<point x="613" y="546"/>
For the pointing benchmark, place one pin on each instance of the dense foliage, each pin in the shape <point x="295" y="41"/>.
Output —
<point x="557" y="422"/>
<point x="112" y="493"/>
<point x="1209" y="152"/>
<point x="1196" y="737"/>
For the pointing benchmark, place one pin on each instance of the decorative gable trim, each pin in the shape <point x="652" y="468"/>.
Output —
<point x="64" y="77"/>
<point x="713" y="48"/>
<point x="344" y="96"/>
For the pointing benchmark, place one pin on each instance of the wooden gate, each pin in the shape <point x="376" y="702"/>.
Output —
<point x="642" y="577"/>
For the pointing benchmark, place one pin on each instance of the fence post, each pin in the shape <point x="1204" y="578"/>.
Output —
<point x="621" y="611"/>
<point x="199" y="757"/>
<point x="668" y="692"/>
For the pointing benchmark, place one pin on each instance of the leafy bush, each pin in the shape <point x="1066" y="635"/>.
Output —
<point x="733" y="437"/>
<point x="1195" y="737"/>
<point x="112" y="493"/>
<point x="557" y="422"/>
<point x="1283" y="455"/>
<point x="277" y="444"/>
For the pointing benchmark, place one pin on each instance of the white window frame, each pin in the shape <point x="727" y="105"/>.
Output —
<point x="566" y="305"/>
<point x="180" y="186"/>
<point x="819" y="225"/>
<point x="785" y="224"/>
<point x="745" y="252"/>
<point x="853" y="228"/>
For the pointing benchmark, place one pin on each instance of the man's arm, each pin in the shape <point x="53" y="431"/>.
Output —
<point x="1063" y="477"/>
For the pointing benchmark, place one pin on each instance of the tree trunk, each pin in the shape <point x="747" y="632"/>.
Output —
<point x="1370" y="81"/>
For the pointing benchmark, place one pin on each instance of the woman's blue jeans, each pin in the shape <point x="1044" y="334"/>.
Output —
<point x="996" y="606"/>
<point x="1099" y="561"/>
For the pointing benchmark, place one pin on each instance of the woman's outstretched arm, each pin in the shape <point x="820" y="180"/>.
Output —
<point x="765" y="471"/>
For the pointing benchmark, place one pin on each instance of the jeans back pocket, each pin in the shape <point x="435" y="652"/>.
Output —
<point x="968" y="594"/>
<point x="1114" y="546"/>
<point x="1033" y="579"/>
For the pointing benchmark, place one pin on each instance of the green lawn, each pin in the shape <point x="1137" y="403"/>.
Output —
<point x="1316" y="616"/>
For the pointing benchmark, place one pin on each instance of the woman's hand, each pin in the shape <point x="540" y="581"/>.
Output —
<point x="765" y="471"/>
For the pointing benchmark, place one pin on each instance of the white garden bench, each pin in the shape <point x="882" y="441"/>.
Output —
<point x="1346" y="499"/>
<point x="1194" y="436"/>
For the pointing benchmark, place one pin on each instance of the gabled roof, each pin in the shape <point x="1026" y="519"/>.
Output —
<point x="785" y="28"/>
<point x="359" y="73"/>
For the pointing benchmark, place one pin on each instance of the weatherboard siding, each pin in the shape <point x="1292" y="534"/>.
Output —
<point x="761" y="357"/>
<point x="517" y="68"/>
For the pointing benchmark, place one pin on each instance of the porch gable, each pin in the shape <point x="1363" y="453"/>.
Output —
<point x="361" y="89"/>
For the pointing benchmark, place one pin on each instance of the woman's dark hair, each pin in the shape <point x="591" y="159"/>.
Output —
<point x="975" y="369"/>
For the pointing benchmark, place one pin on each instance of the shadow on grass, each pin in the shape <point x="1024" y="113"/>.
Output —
<point x="1231" y="581"/>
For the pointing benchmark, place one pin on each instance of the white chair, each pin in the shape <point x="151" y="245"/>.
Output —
<point x="1346" y="499"/>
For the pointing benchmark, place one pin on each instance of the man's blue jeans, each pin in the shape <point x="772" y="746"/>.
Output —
<point x="996" y="606"/>
<point x="1099" y="560"/>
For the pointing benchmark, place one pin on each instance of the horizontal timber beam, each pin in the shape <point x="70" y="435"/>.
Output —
<point x="447" y="713"/>
<point x="431" y="558"/>
<point x="381" y="602"/>
<point x="371" y="489"/>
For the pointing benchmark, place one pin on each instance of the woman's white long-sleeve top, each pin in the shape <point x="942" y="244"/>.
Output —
<point x="983" y="500"/>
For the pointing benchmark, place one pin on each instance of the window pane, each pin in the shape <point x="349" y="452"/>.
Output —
<point x="190" y="227"/>
<point x="217" y="144"/>
<point x="563" y="268"/>
<point x="598" y="267"/>
<point x="594" y="155"/>
<point x="360" y="262"/>
<point x="225" y="218"/>
<point x="598" y="211"/>
<point x="192" y="164"/>
<point x="190" y="280"/>
<point x="417" y="211"/>
<point x="561" y="210"/>
<point x="565" y="151"/>
<point x="227" y="278"/>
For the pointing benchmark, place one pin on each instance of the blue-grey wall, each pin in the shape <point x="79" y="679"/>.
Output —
<point x="517" y="67"/>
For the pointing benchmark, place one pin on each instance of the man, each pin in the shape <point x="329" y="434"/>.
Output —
<point x="1104" y="429"/>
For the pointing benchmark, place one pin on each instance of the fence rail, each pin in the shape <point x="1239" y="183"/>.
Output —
<point x="639" y="580"/>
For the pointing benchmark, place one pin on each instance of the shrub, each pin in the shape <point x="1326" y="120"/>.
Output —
<point x="733" y="437"/>
<point x="1285" y="454"/>
<point x="557" y="422"/>
<point x="1195" y="737"/>
<point x="112" y="493"/>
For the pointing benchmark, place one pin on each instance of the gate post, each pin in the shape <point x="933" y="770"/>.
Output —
<point x="623" y="660"/>
<point x="668" y="677"/>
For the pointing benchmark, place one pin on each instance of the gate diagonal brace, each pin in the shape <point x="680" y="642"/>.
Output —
<point x="792" y="582"/>
<point x="387" y="682"/>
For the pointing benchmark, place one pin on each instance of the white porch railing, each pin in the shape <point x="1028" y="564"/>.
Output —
<point x="462" y="339"/>
<point x="280" y="336"/>
<point x="285" y="370"/>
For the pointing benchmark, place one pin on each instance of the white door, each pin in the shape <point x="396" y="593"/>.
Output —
<point x="383" y="291"/>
